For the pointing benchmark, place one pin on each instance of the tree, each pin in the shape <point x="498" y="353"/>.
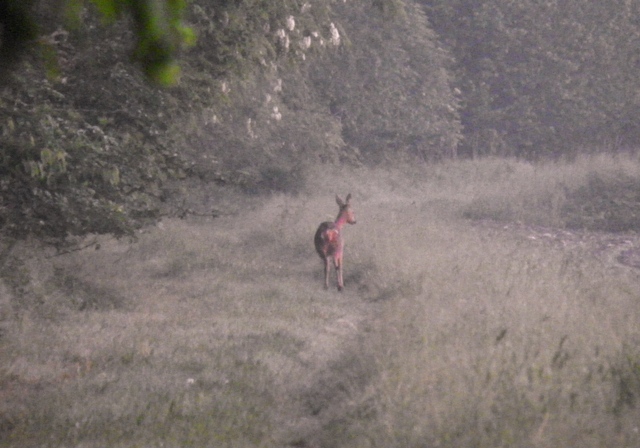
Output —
<point x="543" y="78"/>
<point x="158" y="26"/>
<point x="390" y="85"/>
<point x="93" y="148"/>
<point x="89" y="149"/>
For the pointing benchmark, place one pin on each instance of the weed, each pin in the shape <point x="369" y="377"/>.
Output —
<point x="626" y="377"/>
<point x="606" y="204"/>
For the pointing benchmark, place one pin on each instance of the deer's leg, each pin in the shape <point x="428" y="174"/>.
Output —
<point x="327" y="263"/>
<point x="338" y="263"/>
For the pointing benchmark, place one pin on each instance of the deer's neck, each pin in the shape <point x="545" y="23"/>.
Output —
<point x="341" y="220"/>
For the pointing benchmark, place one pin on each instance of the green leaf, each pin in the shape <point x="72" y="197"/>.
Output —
<point x="165" y="74"/>
<point x="50" y="57"/>
<point x="72" y="12"/>
<point x="109" y="9"/>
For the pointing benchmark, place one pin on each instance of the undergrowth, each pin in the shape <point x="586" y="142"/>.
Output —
<point x="594" y="193"/>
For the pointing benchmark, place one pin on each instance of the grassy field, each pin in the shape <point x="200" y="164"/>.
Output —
<point x="454" y="330"/>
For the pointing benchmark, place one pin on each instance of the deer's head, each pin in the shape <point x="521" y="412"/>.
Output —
<point x="346" y="210"/>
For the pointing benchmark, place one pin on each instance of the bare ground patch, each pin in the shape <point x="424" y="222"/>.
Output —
<point x="611" y="248"/>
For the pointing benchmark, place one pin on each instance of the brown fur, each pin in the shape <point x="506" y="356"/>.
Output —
<point x="330" y="243"/>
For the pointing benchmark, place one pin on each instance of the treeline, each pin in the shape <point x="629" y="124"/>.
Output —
<point x="88" y="145"/>
<point x="543" y="78"/>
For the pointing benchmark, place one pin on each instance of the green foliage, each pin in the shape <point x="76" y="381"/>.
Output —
<point x="274" y="179"/>
<point x="160" y="33"/>
<point x="17" y="28"/>
<point x="158" y="27"/>
<point x="543" y="78"/>
<point x="390" y="86"/>
<point x="318" y="100"/>
<point x="76" y="159"/>
<point x="267" y="90"/>
<point x="90" y="150"/>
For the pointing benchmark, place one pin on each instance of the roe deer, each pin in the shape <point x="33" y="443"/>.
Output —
<point x="329" y="242"/>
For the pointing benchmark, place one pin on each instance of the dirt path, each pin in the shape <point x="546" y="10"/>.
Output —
<point x="611" y="248"/>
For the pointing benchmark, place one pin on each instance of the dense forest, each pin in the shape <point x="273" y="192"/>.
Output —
<point x="102" y="115"/>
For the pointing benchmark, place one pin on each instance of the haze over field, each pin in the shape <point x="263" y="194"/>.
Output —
<point x="218" y="332"/>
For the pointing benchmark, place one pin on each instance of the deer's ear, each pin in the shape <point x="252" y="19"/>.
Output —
<point x="348" y="198"/>
<point x="339" y="201"/>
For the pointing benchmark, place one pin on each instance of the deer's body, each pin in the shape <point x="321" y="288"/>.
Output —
<point x="330" y="243"/>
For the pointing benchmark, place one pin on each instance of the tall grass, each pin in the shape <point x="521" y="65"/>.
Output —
<point x="594" y="193"/>
<point x="501" y="343"/>
<point x="202" y="333"/>
<point x="489" y="339"/>
<point x="218" y="332"/>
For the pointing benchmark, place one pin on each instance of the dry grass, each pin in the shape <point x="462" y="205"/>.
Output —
<point x="218" y="333"/>
<point x="502" y="343"/>
<point x="595" y="193"/>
